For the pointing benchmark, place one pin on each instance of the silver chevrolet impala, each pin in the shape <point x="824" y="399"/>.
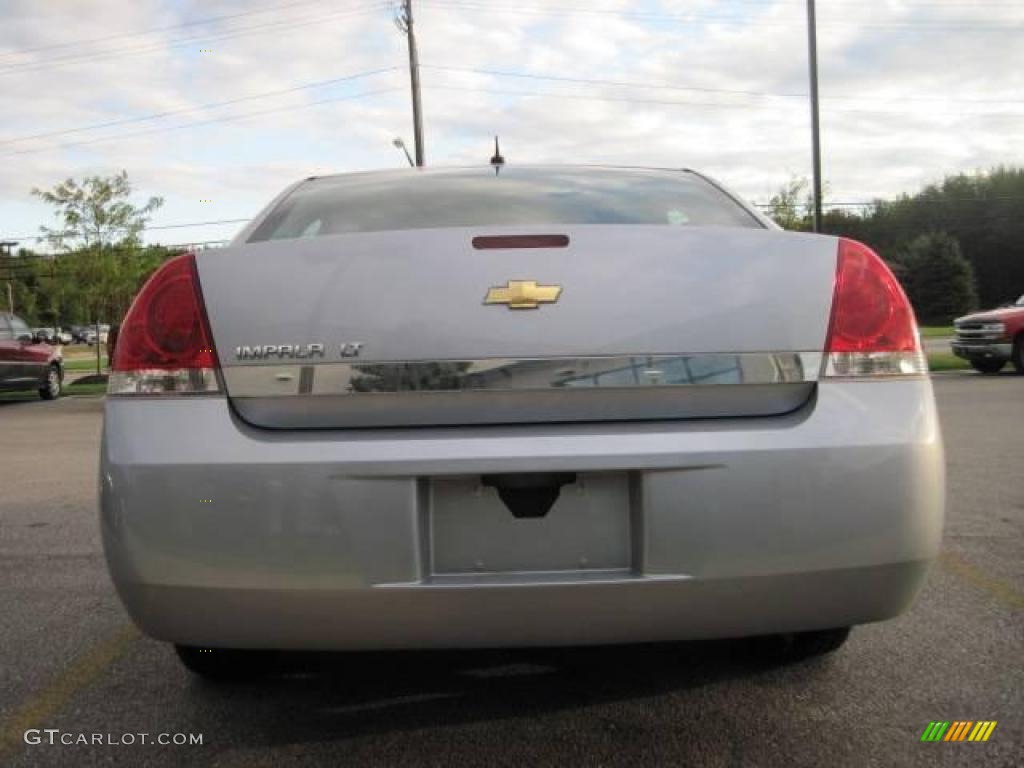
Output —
<point x="540" y="406"/>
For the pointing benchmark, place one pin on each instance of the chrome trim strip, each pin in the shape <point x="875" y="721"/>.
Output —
<point x="618" y="372"/>
<point x="537" y="406"/>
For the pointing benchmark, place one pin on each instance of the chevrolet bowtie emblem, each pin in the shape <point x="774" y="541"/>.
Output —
<point x="523" y="294"/>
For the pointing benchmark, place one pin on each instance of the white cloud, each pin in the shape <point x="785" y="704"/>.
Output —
<point x="909" y="90"/>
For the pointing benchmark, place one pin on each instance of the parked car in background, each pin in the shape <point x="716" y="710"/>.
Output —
<point x="26" y="362"/>
<point x="990" y="339"/>
<point x="78" y="333"/>
<point x="53" y="335"/>
<point x="555" y="405"/>
<point x="91" y="336"/>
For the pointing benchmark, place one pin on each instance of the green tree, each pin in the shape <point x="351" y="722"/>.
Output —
<point x="96" y="212"/>
<point x="938" y="279"/>
<point x="983" y="211"/>
<point x="791" y="206"/>
<point x="100" y="262"/>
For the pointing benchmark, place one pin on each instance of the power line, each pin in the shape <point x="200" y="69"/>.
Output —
<point x="194" y="244"/>
<point x="925" y="4"/>
<point x="583" y="97"/>
<point x="177" y="43"/>
<point x="474" y="70"/>
<point x="212" y="121"/>
<point x="910" y="201"/>
<point x="690" y="15"/>
<point x="669" y="86"/>
<point x="671" y="102"/>
<point x="477" y="5"/>
<point x="155" y="30"/>
<point x="179" y="225"/>
<point x="446" y="68"/>
<point x="196" y="224"/>
<point x="932" y="4"/>
<point x="826" y="204"/>
<point x="209" y="105"/>
<point x="599" y="81"/>
<point x="860" y="4"/>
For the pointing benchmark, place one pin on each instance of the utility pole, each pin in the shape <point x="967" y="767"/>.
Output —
<point x="7" y="251"/>
<point x="404" y="22"/>
<point x="812" y="51"/>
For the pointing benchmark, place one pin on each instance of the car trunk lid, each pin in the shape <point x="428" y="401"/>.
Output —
<point x="415" y="327"/>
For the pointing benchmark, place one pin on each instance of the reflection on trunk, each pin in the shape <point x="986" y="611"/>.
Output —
<point x="406" y="377"/>
<point x="607" y="372"/>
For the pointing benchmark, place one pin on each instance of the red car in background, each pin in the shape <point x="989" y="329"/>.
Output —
<point x="991" y="338"/>
<point x="26" y="362"/>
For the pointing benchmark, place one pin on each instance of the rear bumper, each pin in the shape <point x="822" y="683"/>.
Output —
<point x="622" y="611"/>
<point x="825" y="517"/>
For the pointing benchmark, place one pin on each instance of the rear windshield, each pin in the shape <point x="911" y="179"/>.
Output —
<point x="481" y="198"/>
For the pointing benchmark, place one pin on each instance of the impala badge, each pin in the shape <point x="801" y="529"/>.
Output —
<point x="523" y="294"/>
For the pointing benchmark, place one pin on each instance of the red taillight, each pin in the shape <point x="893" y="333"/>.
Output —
<point x="165" y="344"/>
<point x="872" y="331"/>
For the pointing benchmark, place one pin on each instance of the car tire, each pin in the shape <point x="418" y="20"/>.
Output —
<point x="52" y="389"/>
<point x="798" y="646"/>
<point x="1018" y="353"/>
<point x="988" y="366"/>
<point x="225" y="664"/>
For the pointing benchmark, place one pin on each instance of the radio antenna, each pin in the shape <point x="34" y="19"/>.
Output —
<point x="497" y="160"/>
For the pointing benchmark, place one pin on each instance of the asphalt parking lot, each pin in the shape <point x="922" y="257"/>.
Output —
<point x="72" y="661"/>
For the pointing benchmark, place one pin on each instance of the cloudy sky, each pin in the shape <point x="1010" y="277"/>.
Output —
<point x="218" y="104"/>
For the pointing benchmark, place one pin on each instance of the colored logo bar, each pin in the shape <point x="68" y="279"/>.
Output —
<point x="959" y="730"/>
